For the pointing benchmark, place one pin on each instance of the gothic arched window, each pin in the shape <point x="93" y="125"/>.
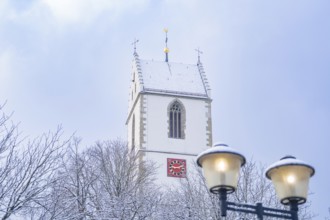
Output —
<point x="176" y="120"/>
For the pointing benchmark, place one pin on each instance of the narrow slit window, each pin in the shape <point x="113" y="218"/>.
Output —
<point x="171" y="124"/>
<point x="179" y="125"/>
<point x="133" y="132"/>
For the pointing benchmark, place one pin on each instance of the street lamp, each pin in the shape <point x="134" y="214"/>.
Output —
<point x="221" y="165"/>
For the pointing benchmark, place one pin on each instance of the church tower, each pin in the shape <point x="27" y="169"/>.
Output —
<point x="169" y="116"/>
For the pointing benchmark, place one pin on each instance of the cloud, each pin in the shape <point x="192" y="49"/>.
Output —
<point x="6" y="11"/>
<point x="59" y="13"/>
<point x="85" y="11"/>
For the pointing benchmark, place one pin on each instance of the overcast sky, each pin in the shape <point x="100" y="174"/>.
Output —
<point x="69" y="62"/>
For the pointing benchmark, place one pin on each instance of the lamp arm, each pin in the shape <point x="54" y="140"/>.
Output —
<point x="257" y="209"/>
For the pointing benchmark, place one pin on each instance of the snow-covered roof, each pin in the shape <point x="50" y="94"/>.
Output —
<point x="220" y="148"/>
<point x="288" y="161"/>
<point x="173" y="78"/>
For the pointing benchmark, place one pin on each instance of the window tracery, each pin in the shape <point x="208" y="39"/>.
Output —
<point x="176" y="120"/>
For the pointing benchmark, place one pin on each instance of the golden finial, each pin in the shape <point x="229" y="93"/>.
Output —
<point x="166" y="50"/>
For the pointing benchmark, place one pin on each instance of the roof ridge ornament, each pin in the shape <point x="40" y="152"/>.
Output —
<point x="134" y="43"/>
<point x="166" y="50"/>
<point x="199" y="52"/>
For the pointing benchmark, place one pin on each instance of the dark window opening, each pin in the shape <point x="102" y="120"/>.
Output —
<point x="175" y="121"/>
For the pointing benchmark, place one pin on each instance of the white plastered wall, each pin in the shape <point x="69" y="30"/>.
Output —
<point x="134" y="108"/>
<point x="197" y="113"/>
<point x="158" y="146"/>
<point x="161" y="166"/>
<point x="136" y="112"/>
